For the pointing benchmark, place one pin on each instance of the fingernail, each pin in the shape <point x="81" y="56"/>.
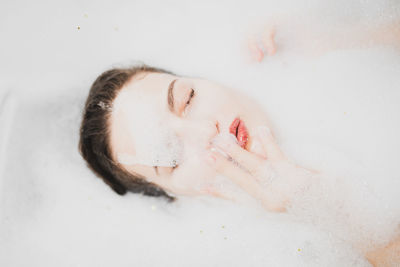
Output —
<point x="263" y="131"/>
<point x="210" y="158"/>
<point x="256" y="147"/>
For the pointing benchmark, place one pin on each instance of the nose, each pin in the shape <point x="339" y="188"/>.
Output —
<point x="197" y="132"/>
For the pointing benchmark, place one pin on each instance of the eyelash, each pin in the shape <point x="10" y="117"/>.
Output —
<point x="156" y="168"/>
<point x="188" y="102"/>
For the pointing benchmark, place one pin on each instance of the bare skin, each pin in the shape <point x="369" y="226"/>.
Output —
<point x="270" y="178"/>
<point x="386" y="256"/>
<point x="312" y="40"/>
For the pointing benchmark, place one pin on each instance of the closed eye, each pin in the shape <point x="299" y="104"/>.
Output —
<point x="188" y="101"/>
<point x="190" y="96"/>
<point x="164" y="169"/>
<point x="156" y="169"/>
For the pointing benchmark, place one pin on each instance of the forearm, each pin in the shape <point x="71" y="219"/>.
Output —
<point x="310" y="37"/>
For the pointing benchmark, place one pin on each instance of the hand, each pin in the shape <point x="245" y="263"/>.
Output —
<point x="261" y="43"/>
<point x="272" y="178"/>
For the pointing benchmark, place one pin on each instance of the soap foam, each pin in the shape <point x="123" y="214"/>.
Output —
<point x="165" y="151"/>
<point x="155" y="143"/>
<point x="345" y="101"/>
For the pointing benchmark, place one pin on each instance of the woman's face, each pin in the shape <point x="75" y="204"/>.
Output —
<point x="162" y="125"/>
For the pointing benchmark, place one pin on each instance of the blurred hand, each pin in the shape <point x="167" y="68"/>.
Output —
<point x="312" y="38"/>
<point x="261" y="43"/>
<point x="272" y="179"/>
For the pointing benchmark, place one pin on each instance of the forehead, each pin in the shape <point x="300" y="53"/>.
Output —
<point x="149" y="82"/>
<point x="139" y="103"/>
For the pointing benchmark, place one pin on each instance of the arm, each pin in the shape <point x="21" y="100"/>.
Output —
<point x="280" y="185"/>
<point x="311" y="38"/>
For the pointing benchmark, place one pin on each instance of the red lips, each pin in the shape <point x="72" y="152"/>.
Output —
<point x="239" y="130"/>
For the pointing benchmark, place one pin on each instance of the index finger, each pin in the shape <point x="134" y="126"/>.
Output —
<point x="246" y="159"/>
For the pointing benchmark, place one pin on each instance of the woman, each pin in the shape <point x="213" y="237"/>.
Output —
<point x="149" y="131"/>
<point x="186" y="115"/>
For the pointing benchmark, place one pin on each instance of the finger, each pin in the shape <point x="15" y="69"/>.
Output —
<point x="267" y="39"/>
<point x="255" y="51"/>
<point x="269" y="144"/>
<point x="232" y="171"/>
<point x="248" y="160"/>
<point x="215" y="191"/>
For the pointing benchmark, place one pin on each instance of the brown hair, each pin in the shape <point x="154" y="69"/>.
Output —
<point x="94" y="143"/>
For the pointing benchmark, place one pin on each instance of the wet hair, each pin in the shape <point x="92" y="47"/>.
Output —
<point x="94" y="142"/>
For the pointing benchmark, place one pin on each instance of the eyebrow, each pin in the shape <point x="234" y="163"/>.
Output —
<point x="171" y="95"/>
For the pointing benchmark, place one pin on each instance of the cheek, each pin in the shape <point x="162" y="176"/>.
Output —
<point x="193" y="175"/>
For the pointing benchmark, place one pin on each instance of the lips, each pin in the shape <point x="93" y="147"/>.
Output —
<point x="238" y="129"/>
